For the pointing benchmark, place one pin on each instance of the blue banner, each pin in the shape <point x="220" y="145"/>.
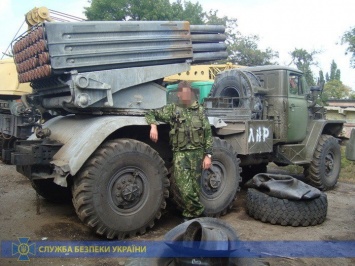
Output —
<point x="23" y="249"/>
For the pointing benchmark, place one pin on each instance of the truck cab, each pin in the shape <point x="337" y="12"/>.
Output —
<point x="287" y="102"/>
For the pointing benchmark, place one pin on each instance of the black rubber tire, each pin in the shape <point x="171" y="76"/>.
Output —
<point x="225" y="164"/>
<point x="51" y="191"/>
<point x="233" y="83"/>
<point x="286" y="212"/>
<point x="121" y="189"/>
<point x="7" y="143"/>
<point x="324" y="170"/>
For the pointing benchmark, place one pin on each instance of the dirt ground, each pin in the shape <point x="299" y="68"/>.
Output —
<point x="19" y="217"/>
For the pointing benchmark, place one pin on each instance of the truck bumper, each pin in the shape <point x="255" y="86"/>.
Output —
<point x="32" y="157"/>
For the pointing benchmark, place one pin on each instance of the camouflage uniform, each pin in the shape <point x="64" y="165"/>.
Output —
<point x="191" y="139"/>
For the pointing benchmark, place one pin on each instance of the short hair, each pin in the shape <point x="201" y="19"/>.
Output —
<point x="184" y="84"/>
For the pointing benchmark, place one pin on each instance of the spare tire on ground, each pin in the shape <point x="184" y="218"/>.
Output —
<point x="304" y="212"/>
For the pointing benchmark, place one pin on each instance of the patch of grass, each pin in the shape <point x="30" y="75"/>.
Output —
<point x="347" y="172"/>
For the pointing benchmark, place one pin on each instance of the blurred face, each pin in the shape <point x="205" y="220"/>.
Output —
<point x="185" y="95"/>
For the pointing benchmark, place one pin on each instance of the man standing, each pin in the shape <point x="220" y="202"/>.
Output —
<point x="191" y="140"/>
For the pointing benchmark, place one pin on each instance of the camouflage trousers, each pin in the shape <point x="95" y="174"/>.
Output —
<point x="187" y="171"/>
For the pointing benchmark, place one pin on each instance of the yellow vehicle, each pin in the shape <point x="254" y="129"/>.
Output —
<point x="201" y="73"/>
<point x="10" y="87"/>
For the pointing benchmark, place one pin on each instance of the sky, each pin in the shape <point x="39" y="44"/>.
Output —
<point x="281" y="25"/>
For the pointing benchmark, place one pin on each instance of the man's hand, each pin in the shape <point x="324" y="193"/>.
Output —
<point x="153" y="133"/>
<point x="207" y="162"/>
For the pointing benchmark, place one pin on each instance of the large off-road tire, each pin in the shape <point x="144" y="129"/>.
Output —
<point x="323" y="172"/>
<point x="219" y="184"/>
<point x="121" y="189"/>
<point x="51" y="191"/>
<point x="235" y="83"/>
<point x="286" y="212"/>
<point x="6" y="142"/>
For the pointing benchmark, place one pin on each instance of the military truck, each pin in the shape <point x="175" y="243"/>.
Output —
<point x="102" y="77"/>
<point x="271" y="115"/>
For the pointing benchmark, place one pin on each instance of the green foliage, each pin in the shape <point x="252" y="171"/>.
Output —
<point x="337" y="75"/>
<point x="303" y="61"/>
<point x="187" y="11"/>
<point x="144" y="10"/>
<point x="333" y="69"/>
<point x="335" y="89"/>
<point x="347" y="168"/>
<point x="321" y="76"/>
<point x="334" y="72"/>
<point x="349" y="39"/>
<point x="244" y="50"/>
<point x="107" y="10"/>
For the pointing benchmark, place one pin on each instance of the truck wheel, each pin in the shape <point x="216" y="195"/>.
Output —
<point x="7" y="143"/>
<point x="233" y="83"/>
<point x="51" y="191"/>
<point x="323" y="172"/>
<point x="121" y="189"/>
<point x="219" y="184"/>
<point x="286" y="212"/>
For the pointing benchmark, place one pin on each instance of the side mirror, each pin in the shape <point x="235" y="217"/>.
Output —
<point x="315" y="92"/>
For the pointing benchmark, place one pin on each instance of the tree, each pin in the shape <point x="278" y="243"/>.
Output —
<point x="334" y="71"/>
<point x="349" y="39"/>
<point x="335" y="89"/>
<point x="119" y="10"/>
<point x="303" y="61"/>
<point x="321" y="76"/>
<point x="327" y="77"/>
<point x="244" y="50"/>
<point x="187" y="11"/>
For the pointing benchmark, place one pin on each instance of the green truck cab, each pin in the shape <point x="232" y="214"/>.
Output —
<point x="276" y="119"/>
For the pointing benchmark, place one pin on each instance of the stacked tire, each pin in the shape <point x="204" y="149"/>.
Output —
<point x="284" y="211"/>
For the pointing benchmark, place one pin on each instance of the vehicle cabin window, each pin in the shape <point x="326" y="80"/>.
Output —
<point x="295" y="85"/>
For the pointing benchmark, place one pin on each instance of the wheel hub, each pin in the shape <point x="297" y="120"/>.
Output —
<point x="329" y="163"/>
<point x="212" y="180"/>
<point x="127" y="190"/>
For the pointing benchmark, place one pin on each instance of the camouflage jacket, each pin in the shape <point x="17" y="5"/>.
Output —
<point x="190" y="128"/>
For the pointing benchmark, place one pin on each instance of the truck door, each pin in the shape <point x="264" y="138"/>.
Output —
<point x="297" y="108"/>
